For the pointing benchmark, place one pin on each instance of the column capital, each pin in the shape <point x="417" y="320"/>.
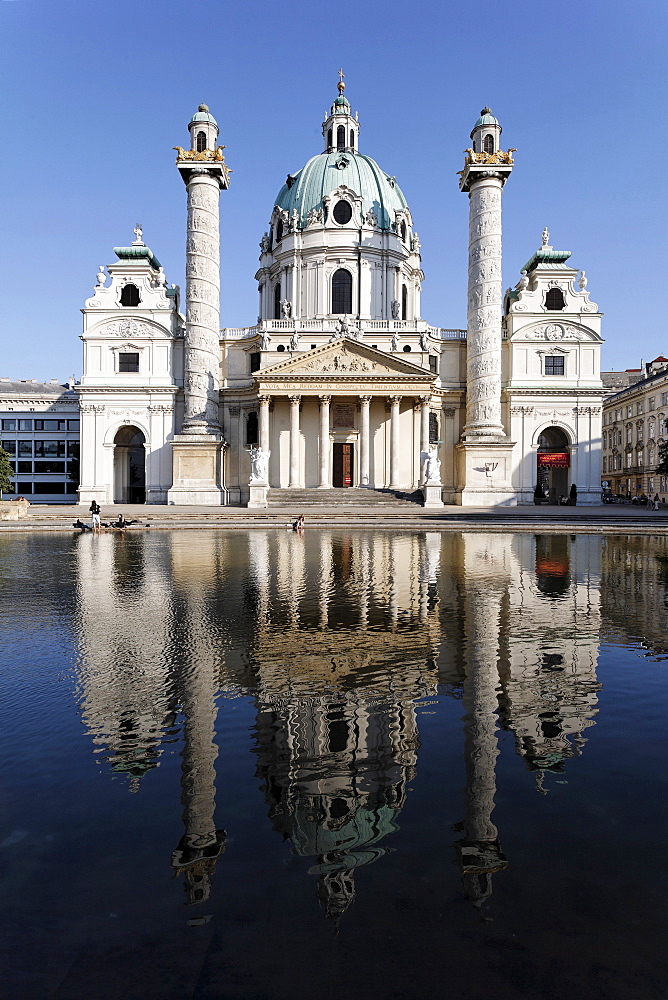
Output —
<point x="425" y="400"/>
<point x="264" y="400"/>
<point x="325" y="399"/>
<point x="294" y="400"/>
<point x="394" y="400"/>
<point x="365" y="399"/>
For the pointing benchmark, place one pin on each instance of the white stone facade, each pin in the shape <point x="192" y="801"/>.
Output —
<point x="341" y="383"/>
<point x="131" y="389"/>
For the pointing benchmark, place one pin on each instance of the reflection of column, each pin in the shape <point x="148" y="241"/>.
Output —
<point x="264" y="423"/>
<point x="480" y="853"/>
<point x="294" y="440"/>
<point x="324" y="441"/>
<point x="325" y="578"/>
<point x="364" y="440"/>
<point x="394" y="441"/>
<point x="201" y="843"/>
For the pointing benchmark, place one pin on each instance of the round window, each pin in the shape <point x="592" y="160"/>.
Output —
<point x="342" y="212"/>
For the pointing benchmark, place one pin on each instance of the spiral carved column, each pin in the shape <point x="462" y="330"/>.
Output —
<point x="483" y="346"/>
<point x="202" y="351"/>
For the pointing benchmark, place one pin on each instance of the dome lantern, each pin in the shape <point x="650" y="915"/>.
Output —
<point x="203" y="129"/>
<point x="486" y="133"/>
<point x="340" y="129"/>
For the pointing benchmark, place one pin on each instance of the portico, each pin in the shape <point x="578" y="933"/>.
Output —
<point x="343" y="415"/>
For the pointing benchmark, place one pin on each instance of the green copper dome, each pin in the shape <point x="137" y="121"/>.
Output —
<point x="203" y="115"/>
<point x="323" y="174"/>
<point x="486" y="118"/>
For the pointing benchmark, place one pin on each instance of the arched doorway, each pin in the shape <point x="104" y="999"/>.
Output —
<point x="553" y="460"/>
<point x="129" y="466"/>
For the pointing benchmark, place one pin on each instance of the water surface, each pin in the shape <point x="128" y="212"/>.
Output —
<point x="362" y="764"/>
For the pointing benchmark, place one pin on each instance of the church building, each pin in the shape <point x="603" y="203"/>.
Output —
<point x="340" y="384"/>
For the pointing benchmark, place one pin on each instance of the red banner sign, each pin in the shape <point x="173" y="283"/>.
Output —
<point x="555" y="460"/>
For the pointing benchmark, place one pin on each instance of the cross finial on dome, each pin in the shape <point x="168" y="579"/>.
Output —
<point x="341" y="85"/>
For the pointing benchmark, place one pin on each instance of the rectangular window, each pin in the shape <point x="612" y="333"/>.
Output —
<point x="49" y="487"/>
<point x="605" y="464"/>
<point x="9" y="447"/>
<point x="554" y="365"/>
<point x="639" y="407"/>
<point x="50" y="466"/>
<point x="21" y="488"/>
<point x="629" y="411"/>
<point x="9" y="425"/>
<point x="48" y="449"/>
<point x="652" y="403"/>
<point x="255" y="361"/>
<point x="50" y="425"/>
<point x="73" y="425"/>
<point x="25" y="467"/>
<point x="25" y="448"/>
<point x="128" y="362"/>
<point x="433" y="363"/>
<point x="25" y="425"/>
<point x="664" y="398"/>
<point x="72" y="449"/>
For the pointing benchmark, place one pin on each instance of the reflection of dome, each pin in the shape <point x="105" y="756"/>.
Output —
<point x="323" y="174"/>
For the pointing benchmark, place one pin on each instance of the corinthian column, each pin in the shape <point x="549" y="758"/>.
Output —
<point x="395" y="402"/>
<point x="324" y="441"/>
<point x="364" y="440"/>
<point x="202" y="350"/>
<point x="294" y="440"/>
<point x="264" y="423"/>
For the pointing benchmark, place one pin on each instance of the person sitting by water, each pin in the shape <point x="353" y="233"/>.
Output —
<point x="122" y="522"/>
<point x="80" y="524"/>
<point x="299" y="523"/>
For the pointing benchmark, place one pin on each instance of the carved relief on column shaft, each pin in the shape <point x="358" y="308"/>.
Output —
<point x="483" y="384"/>
<point x="202" y="361"/>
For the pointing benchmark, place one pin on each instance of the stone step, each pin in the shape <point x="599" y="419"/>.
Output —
<point x="342" y="497"/>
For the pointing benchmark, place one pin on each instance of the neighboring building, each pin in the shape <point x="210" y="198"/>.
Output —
<point x="635" y="424"/>
<point x="340" y="382"/>
<point x="40" y="433"/>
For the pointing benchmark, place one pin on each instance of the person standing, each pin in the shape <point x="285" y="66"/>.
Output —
<point x="656" y="501"/>
<point x="95" y="514"/>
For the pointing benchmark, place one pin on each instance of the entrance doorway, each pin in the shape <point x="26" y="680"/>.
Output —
<point x="554" y="460"/>
<point x="129" y="466"/>
<point x="342" y="466"/>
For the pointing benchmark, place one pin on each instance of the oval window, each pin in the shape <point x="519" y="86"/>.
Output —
<point x="342" y="212"/>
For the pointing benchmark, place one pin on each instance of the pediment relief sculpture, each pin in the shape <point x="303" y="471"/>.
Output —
<point x="553" y="331"/>
<point x="342" y="358"/>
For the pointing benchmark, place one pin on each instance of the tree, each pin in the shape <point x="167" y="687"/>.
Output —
<point x="6" y="473"/>
<point x="662" y="467"/>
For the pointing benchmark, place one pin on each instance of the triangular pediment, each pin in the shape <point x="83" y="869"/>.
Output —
<point x="345" y="357"/>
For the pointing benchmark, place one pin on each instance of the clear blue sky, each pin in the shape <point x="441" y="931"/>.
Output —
<point x="96" y="95"/>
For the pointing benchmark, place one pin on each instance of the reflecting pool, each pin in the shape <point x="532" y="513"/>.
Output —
<point x="356" y="764"/>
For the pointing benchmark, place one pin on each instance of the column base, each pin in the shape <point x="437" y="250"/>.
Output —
<point x="197" y="470"/>
<point x="257" y="495"/>
<point x="483" y="474"/>
<point x="433" y="495"/>
<point x="98" y="493"/>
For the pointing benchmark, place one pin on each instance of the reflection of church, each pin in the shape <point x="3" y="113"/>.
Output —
<point x="338" y="638"/>
<point x="340" y="383"/>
